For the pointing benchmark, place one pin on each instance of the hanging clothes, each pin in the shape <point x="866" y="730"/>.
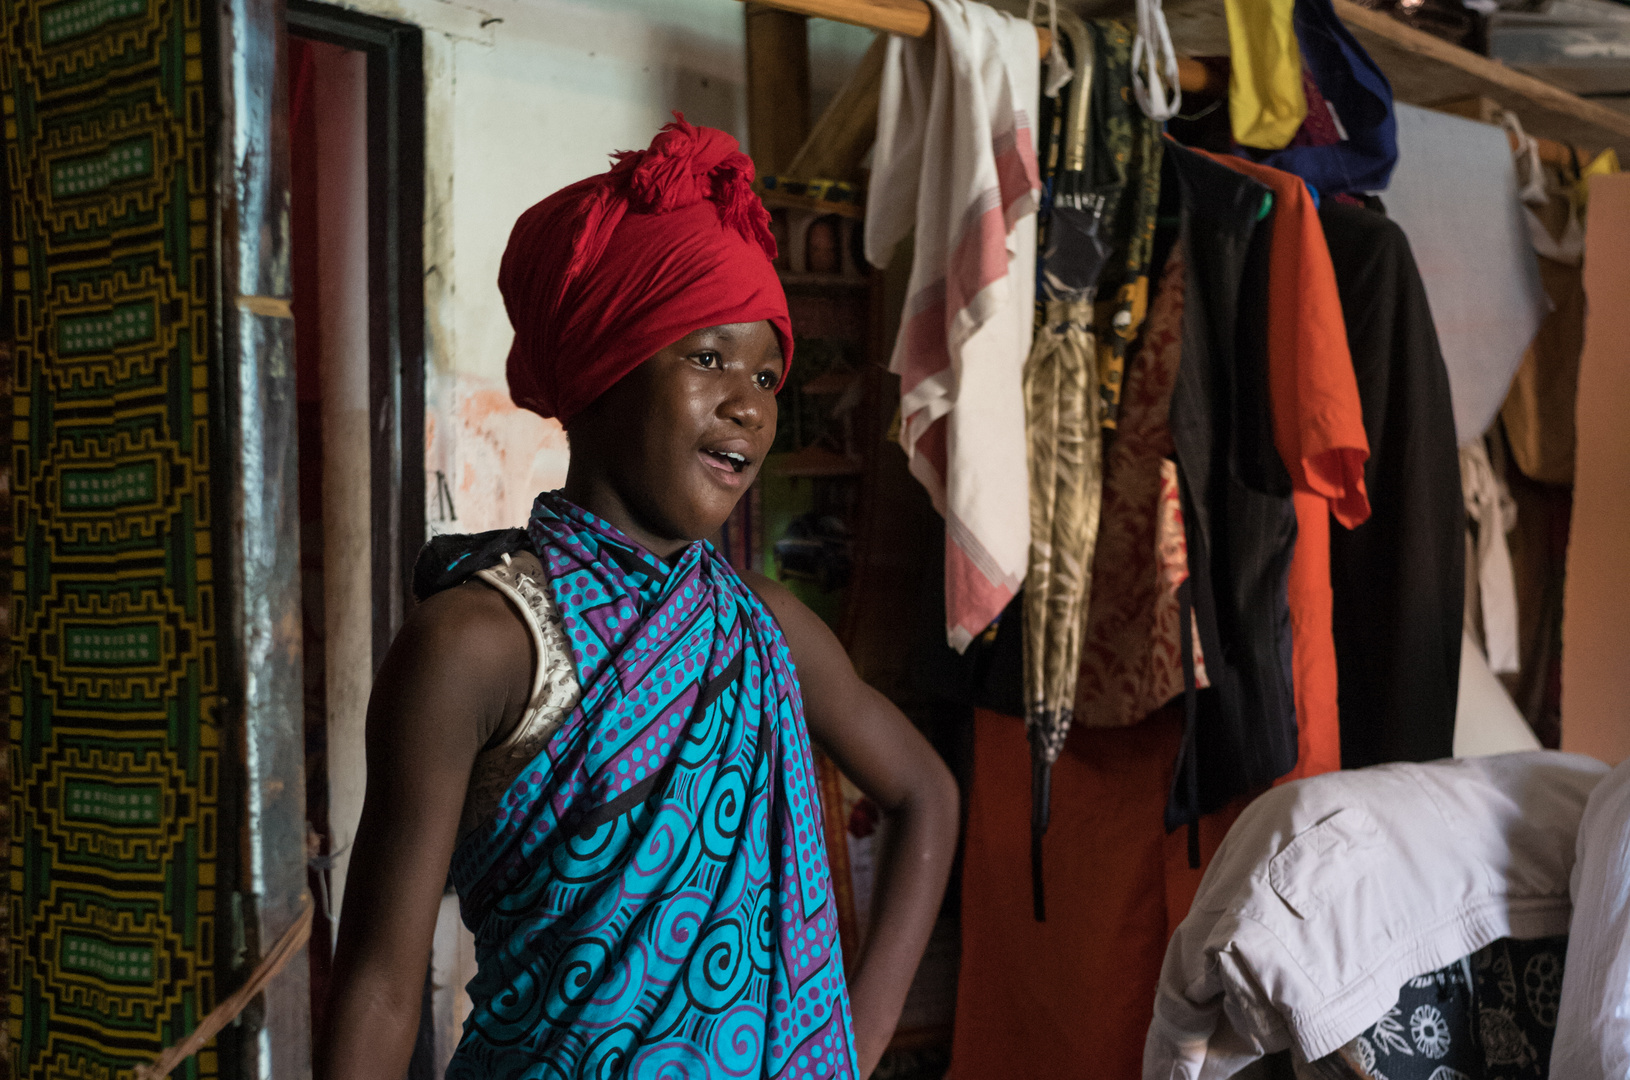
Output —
<point x="1122" y="175"/>
<point x="1494" y="603"/>
<point x="1454" y="193"/>
<point x="1397" y="581"/>
<point x="955" y="161"/>
<point x="1565" y="244"/>
<point x="1071" y="997"/>
<point x="1240" y="520"/>
<point x="1539" y="410"/>
<point x="1318" y="428"/>
<point x="1172" y="543"/>
<point x="1357" y="101"/>
<point x="1042" y="999"/>
<point x="1265" y="102"/>
<point x="1131" y="661"/>
<point x="1319" y="127"/>
<point x="1154" y="64"/>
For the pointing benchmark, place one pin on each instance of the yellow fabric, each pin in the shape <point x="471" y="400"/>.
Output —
<point x="1266" y="105"/>
<point x="1605" y="164"/>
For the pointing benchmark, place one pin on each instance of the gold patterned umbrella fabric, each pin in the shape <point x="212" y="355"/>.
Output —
<point x="1062" y="421"/>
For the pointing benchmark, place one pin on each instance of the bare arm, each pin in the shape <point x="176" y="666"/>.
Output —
<point x="459" y="671"/>
<point x="877" y="748"/>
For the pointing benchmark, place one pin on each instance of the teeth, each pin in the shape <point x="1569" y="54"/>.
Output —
<point x="738" y="462"/>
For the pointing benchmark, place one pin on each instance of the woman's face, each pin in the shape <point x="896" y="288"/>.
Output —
<point x="680" y="438"/>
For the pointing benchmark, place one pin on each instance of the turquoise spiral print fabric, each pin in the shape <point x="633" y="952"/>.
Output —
<point x="651" y="899"/>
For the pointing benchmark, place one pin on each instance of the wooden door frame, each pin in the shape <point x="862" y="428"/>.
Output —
<point x="396" y="362"/>
<point x="255" y="448"/>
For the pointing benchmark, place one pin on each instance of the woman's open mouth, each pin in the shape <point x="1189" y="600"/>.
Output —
<point x="725" y="461"/>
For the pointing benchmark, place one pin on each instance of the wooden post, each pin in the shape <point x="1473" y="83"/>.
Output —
<point x="777" y="86"/>
<point x="840" y="138"/>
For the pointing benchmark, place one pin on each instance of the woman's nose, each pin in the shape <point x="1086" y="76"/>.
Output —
<point x="746" y="403"/>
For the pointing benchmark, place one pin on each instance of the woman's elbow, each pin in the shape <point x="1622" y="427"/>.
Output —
<point x="937" y="800"/>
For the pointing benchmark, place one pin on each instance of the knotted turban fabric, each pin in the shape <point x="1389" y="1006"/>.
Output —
<point x="602" y="274"/>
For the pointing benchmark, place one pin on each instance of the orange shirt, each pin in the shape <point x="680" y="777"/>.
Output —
<point x="1318" y="429"/>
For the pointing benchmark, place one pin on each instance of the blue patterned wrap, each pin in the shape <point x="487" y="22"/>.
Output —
<point x="651" y="898"/>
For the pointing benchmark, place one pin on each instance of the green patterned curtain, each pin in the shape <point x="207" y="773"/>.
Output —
<point x="114" y="686"/>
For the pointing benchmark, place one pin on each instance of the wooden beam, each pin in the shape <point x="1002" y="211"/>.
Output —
<point x="838" y="142"/>
<point x="777" y="85"/>
<point x="1423" y="70"/>
<point x="913" y="18"/>
<point x="1428" y="71"/>
<point x="1487" y="111"/>
<point x="908" y="18"/>
<point x="840" y="138"/>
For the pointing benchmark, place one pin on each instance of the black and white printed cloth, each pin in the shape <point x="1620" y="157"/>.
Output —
<point x="1491" y="1016"/>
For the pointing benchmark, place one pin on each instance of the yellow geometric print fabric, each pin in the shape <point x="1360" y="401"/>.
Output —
<point x="114" y="726"/>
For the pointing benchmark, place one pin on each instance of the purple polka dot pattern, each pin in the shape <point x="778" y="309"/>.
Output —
<point x="652" y="898"/>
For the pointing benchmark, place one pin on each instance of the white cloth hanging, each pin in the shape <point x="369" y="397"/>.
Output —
<point x="1569" y="249"/>
<point x="1490" y="506"/>
<point x="1059" y="72"/>
<point x="955" y="160"/>
<point x="1154" y="64"/>
<point x="1593" y="1017"/>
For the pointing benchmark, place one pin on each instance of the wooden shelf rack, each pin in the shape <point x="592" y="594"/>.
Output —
<point x="1424" y="70"/>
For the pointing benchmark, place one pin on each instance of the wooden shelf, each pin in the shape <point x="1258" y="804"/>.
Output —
<point x="786" y="200"/>
<point x="815" y="461"/>
<point x="831" y="382"/>
<point x="1425" y="70"/>
<point x="822" y="282"/>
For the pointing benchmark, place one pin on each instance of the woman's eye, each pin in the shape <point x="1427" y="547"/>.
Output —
<point x="766" y="380"/>
<point x="709" y="359"/>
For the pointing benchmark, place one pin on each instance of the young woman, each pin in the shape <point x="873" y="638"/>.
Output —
<point x="597" y="730"/>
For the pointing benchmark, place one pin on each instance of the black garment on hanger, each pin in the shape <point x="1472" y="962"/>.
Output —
<point x="1398" y="579"/>
<point x="1240" y="523"/>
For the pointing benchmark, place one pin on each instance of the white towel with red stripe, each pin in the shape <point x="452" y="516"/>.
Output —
<point x="955" y="160"/>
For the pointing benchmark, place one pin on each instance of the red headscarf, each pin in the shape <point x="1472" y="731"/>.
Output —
<point x="601" y="275"/>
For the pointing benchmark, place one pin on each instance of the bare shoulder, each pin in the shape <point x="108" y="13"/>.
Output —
<point x="463" y="652"/>
<point x="788" y="610"/>
<point x="469" y="623"/>
<point x="775" y="595"/>
<point x="815" y="649"/>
